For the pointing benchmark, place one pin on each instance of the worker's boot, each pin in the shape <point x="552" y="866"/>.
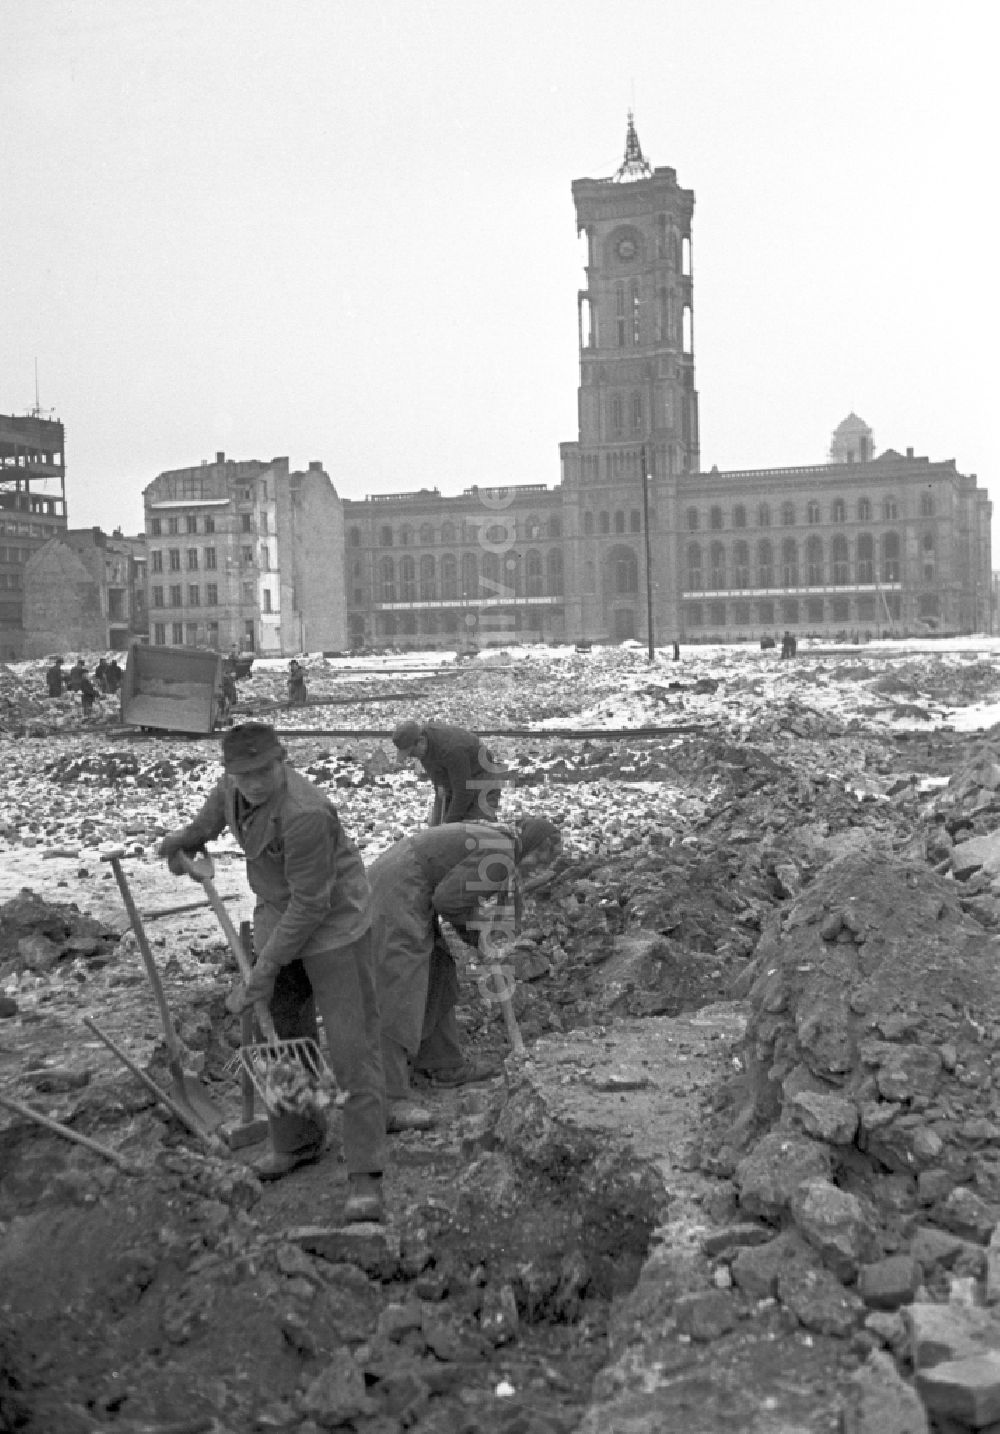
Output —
<point x="278" y="1163"/>
<point x="407" y="1115"/>
<point x="364" y="1199"/>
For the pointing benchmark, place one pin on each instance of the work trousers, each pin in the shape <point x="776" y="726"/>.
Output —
<point x="340" y="985"/>
<point x="440" y="1043"/>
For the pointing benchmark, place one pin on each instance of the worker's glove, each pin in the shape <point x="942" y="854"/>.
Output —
<point x="173" y="844"/>
<point x="260" y="987"/>
<point x="469" y="934"/>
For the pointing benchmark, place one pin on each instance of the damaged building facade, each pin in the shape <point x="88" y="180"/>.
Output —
<point x="32" y="511"/>
<point x="892" y="544"/>
<point x="85" y="591"/>
<point x="245" y="554"/>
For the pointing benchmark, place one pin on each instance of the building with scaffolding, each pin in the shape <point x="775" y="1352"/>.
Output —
<point x="32" y="511"/>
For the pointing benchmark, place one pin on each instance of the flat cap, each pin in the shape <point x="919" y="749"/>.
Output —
<point x="249" y="747"/>
<point x="406" y="735"/>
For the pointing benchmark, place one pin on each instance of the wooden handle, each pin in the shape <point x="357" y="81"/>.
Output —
<point x="170" y="1035"/>
<point x="491" y="947"/>
<point x="68" y="1133"/>
<point x="235" y="944"/>
<point x="161" y="1095"/>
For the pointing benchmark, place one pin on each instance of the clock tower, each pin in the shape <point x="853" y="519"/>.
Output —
<point x="636" y="325"/>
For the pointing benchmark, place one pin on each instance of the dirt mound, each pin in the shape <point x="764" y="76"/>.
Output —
<point x="36" y="934"/>
<point x="875" y="990"/>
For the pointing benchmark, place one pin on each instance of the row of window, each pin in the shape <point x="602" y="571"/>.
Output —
<point x="495" y="576"/>
<point x="501" y="534"/>
<point x="193" y="558"/>
<point x="739" y="567"/>
<point x="790" y="612"/>
<point x="788" y="517"/>
<point x="191" y="634"/>
<point x="31" y="530"/>
<point x="173" y="559"/>
<point x="174" y="597"/>
<point x="11" y="581"/>
<point x="189" y="523"/>
<point x="434" y="624"/>
<point x="604" y="522"/>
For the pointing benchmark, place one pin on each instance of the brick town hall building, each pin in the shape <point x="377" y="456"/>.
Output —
<point x="893" y="543"/>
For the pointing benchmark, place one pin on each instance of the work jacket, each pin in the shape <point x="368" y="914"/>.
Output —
<point x="461" y="765"/>
<point x="441" y="872"/>
<point x="307" y="874"/>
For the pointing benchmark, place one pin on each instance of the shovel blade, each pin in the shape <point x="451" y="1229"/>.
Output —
<point x="192" y="1097"/>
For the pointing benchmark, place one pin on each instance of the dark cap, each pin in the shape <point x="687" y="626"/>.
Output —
<point x="247" y="748"/>
<point x="406" y="735"/>
<point x="535" y="832"/>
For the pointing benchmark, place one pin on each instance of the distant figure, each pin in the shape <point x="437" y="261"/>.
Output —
<point x="74" y="680"/>
<point x="229" y="692"/>
<point x="677" y="649"/>
<point x="87" y="694"/>
<point x="54" y="677"/>
<point x="101" y="675"/>
<point x="296" y="683"/>
<point x="114" y="676"/>
<point x="466" y="776"/>
<point x="786" y="644"/>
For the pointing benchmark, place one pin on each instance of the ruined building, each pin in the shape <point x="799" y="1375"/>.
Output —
<point x="85" y="591"/>
<point x="893" y="543"/>
<point x="247" y="555"/>
<point x="32" y="510"/>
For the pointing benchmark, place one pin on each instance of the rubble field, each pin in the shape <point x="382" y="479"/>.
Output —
<point x="747" y="1175"/>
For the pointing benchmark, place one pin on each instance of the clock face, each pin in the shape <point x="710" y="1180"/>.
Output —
<point x="626" y="248"/>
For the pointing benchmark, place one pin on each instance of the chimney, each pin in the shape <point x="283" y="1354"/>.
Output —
<point x="909" y="453"/>
<point x="315" y="465"/>
<point x="220" y="458"/>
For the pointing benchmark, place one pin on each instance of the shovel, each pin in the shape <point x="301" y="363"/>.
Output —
<point x="188" y="1092"/>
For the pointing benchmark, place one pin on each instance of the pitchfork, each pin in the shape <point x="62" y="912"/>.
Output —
<point x="290" y="1074"/>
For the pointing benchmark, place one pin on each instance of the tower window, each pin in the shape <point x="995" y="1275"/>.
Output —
<point x="635" y="312"/>
<point x="620" y="314"/>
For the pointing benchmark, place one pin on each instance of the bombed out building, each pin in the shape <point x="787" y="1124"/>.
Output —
<point x="889" y="542"/>
<point x="32" y="511"/>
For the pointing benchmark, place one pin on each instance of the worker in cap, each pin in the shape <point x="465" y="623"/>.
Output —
<point x="54" y="677"/>
<point x="443" y="873"/>
<point x="312" y="938"/>
<point x="467" y="777"/>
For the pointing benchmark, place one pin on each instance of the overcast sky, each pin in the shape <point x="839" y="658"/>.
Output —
<point x="344" y="231"/>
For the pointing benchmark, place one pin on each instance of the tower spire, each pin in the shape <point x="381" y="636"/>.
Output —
<point x="634" y="165"/>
